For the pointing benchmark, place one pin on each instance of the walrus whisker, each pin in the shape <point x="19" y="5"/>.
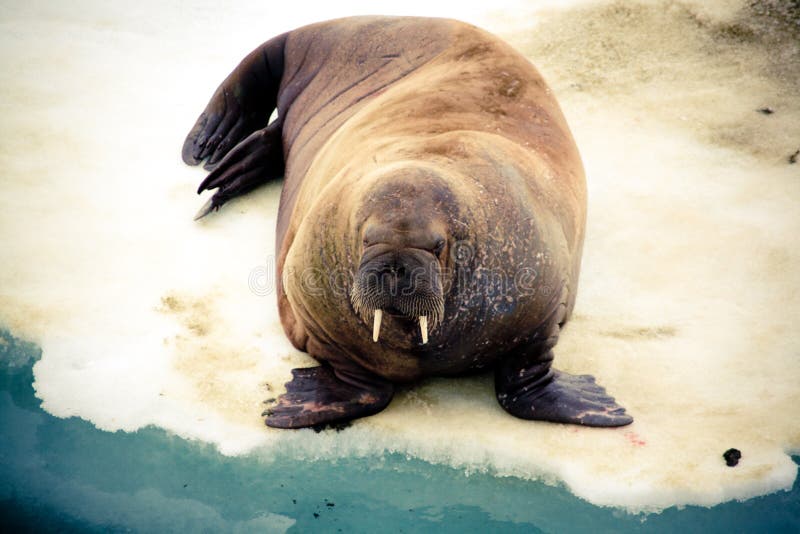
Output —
<point x="376" y="328"/>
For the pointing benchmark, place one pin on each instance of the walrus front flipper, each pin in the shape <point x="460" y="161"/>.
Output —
<point x="241" y="105"/>
<point x="538" y="392"/>
<point x="251" y="163"/>
<point x="315" y="396"/>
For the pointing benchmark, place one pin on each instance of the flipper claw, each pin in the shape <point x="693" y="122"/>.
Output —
<point x="252" y="162"/>
<point x="207" y="208"/>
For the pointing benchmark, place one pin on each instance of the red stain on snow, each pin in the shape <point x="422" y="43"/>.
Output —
<point x="634" y="439"/>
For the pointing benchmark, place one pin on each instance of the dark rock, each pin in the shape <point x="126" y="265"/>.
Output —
<point x="732" y="457"/>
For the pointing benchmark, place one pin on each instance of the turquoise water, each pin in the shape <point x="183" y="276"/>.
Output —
<point x="66" y="475"/>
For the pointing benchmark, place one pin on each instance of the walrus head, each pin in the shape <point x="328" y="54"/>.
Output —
<point x="404" y="242"/>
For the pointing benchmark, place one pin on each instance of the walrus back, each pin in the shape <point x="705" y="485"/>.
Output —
<point x="480" y="115"/>
<point x="463" y="82"/>
<point x="335" y="68"/>
<point x="354" y="95"/>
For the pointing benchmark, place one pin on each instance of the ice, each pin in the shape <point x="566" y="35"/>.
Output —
<point x="689" y="293"/>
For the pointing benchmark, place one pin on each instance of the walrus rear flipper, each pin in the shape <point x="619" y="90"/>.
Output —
<point x="530" y="389"/>
<point x="315" y="396"/>
<point x="241" y="105"/>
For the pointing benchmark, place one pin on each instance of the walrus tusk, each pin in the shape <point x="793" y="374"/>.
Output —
<point x="423" y="326"/>
<point x="376" y="326"/>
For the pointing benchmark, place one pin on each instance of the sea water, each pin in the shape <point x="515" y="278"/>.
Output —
<point x="66" y="475"/>
<point x="154" y="329"/>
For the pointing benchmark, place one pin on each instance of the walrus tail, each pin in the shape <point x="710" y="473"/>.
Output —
<point x="233" y="135"/>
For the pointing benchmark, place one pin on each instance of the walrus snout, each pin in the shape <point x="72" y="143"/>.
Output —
<point x="404" y="283"/>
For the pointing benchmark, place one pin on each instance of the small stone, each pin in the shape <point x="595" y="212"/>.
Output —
<point x="732" y="457"/>
<point x="766" y="111"/>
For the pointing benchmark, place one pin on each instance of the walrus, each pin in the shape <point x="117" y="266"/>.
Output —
<point x="431" y="219"/>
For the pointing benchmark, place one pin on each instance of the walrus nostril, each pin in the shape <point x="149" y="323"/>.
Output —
<point x="392" y="270"/>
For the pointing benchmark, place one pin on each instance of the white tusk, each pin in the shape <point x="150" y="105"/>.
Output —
<point x="423" y="326"/>
<point x="376" y="326"/>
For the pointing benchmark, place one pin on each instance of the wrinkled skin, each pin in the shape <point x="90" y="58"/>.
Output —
<point x="430" y="178"/>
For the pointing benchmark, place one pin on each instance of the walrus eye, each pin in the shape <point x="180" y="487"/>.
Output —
<point x="439" y="247"/>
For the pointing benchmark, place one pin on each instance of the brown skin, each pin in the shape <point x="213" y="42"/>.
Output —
<point x="426" y="164"/>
